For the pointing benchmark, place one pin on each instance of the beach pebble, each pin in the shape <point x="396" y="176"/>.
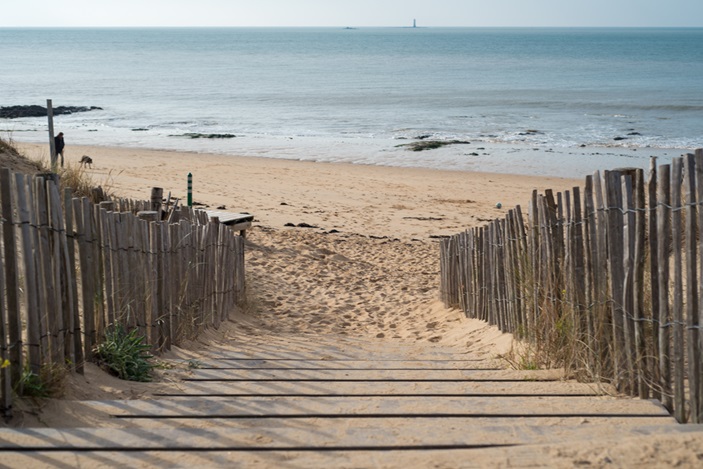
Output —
<point x="499" y="205"/>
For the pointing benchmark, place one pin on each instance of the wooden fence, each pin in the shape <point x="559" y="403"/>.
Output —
<point x="70" y="269"/>
<point x="606" y="280"/>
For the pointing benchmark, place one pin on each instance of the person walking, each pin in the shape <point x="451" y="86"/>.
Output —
<point x="59" y="144"/>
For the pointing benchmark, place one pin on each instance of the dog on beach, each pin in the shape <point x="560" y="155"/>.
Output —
<point x="87" y="161"/>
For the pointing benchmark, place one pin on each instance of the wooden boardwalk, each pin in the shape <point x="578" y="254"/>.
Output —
<point x="341" y="402"/>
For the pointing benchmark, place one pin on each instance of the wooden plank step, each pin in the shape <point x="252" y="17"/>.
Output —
<point x="331" y="438"/>
<point x="334" y="353"/>
<point x="334" y="348"/>
<point x="297" y="364"/>
<point x="345" y="407"/>
<point x="375" y="375"/>
<point x="463" y="388"/>
<point x="382" y="421"/>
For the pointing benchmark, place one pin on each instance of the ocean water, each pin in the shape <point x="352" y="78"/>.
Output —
<point x="352" y="95"/>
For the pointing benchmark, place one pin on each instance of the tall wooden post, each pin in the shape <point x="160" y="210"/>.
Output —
<point x="52" y="143"/>
<point x="157" y="195"/>
<point x="190" y="189"/>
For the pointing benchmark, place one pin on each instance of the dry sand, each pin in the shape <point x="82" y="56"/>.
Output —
<point x="367" y="268"/>
<point x="401" y="203"/>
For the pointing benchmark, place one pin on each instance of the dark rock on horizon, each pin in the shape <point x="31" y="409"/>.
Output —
<point x="15" y="112"/>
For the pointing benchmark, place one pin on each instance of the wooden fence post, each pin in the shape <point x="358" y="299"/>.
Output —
<point x="165" y="280"/>
<point x="628" y="298"/>
<point x="652" y="228"/>
<point x="604" y="316"/>
<point x="698" y="345"/>
<point x="80" y="207"/>
<point x="663" y="240"/>
<point x="5" y="365"/>
<point x="175" y="280"/>
<point x="677" y="291"/>
<point x="694" y="222"/>
<point x="534" y="249"/>
<point x="11" y="261"/>
<point x="221" y="271"/>
<point x="579" y="265"/>
<point x="39" y="223"/>
<point x="157" y="196"/>
<point x="616" y="270"/>
<point x="639" y="286"/>
<point x="99" y="271"/>
<point x="154" y="300"/>
<point x="28" y="251"/>
<point x="590" y="266"/>
<point x="107" y="244"/>
<point x="59" y="274"/>
<point x="74" y="322"/>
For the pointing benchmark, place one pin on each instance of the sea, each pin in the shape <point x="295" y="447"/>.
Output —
<point x="356" y="95"/>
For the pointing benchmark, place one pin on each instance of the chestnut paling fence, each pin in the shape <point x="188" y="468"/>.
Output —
<point x="69" y="269"/>
<point x="605" y="280"/>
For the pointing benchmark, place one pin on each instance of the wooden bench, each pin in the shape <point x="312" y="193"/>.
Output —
<point x="237" y="221"/>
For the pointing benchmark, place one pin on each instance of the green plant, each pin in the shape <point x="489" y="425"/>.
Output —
<point x="125" y="355"/>
<point x="48" y="383"/>
<point x="194" y="364"/>
<point x="31" y="385"/>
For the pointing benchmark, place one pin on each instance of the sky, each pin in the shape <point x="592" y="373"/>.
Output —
<point x="481" y="13"/>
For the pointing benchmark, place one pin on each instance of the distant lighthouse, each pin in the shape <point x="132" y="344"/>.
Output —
<point x="414" y="23"/>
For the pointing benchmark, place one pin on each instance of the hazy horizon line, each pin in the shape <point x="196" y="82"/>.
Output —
<point x="347" y="27"/>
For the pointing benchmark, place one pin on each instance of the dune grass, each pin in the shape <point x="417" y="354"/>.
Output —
<point x="75" y="178"/>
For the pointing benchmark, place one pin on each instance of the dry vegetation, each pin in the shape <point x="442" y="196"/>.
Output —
<point x="76" y="178"/>
<point x="14" y="160"/>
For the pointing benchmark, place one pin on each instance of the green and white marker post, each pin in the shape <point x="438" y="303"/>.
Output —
<point x="190" y="189"/>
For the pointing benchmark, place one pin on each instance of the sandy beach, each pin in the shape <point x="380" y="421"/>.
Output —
<point x="367" y="266"/>
<point x="366" y="258"/>
<point x="402" y="203"/>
